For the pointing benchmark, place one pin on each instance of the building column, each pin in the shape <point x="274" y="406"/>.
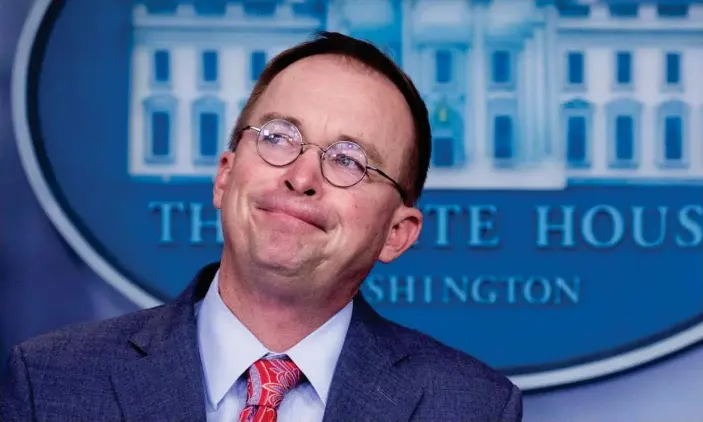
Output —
<point x="649" y="140"/>
<point x="598" y="145"/>
<point x="539" y="84"/>
<point x="186" y="93"/>
<point x="695" y="139"/>
<point x="482" y="148"/>
<point x="407" y="45"/>
<point x="527" y="101"/>
<point x="550" y="136"/>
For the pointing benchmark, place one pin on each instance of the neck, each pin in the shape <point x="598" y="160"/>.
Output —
<point x="278" y="320"/>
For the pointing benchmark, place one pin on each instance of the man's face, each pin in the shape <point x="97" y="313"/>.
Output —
<point x="290" y="221"/>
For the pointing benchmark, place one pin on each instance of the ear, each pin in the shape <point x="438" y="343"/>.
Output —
<point x="224" y="171"/>
<point x="407" y="223"/>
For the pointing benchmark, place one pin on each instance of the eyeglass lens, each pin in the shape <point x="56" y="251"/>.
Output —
<point x="279" y="143"/>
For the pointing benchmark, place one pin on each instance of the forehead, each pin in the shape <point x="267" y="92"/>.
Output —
<point x="333" y="98"/>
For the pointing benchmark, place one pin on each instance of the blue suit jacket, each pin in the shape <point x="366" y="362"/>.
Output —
<point x="146" y="366"/>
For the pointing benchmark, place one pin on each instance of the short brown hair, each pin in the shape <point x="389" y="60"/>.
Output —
<point x="415" y="169"/>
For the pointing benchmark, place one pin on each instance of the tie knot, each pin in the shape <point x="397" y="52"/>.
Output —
<point x="269" y="380"/>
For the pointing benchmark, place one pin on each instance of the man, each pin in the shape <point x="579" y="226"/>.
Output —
<point x="325" y="165"/>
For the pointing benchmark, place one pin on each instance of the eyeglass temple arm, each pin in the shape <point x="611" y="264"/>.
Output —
<point x="250" y="127"/>
<point x="400" y="190"/>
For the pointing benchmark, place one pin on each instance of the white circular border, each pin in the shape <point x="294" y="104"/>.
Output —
<point x="539" y="380"/>
<point x="36" y="176"/>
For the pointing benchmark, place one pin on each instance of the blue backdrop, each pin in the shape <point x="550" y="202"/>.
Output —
<point x="564" y="211"/>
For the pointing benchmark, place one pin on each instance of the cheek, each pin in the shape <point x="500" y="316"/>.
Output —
<point x="245" y="174"/>
<point x="365" y="219"/>
<point x="239" y="183"/>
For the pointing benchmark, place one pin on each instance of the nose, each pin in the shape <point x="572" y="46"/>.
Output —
<point x="304" y="175"/>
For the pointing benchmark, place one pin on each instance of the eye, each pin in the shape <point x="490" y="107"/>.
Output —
<point x="347" y="156"/>
<point x="345" y="161"/>
<point x="277" y="139"/>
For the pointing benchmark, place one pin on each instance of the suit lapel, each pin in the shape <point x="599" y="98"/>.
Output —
<point x="366" y="384"/>
<point x="165" y="380"/>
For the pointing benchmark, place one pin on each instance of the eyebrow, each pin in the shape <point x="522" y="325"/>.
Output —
<point x="272" y="115"/>
<point x="370" y="149"/>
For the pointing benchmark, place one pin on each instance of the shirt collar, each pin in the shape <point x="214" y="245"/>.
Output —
<point x="228" y="348"/>
<point x="317" y="354"/>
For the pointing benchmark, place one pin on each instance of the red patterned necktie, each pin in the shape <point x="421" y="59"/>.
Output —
<point x="269" y="380"/>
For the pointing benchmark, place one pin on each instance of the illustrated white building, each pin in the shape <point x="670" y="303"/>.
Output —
<point x="522" y="94"/>
<point x="631" y="91"/>
<point x="483" y="68"/>
<point x="193" y="66"/>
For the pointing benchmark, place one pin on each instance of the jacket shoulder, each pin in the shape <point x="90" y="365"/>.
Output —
<point x="449" y="361"/>
<point x="85" y="342"/>
<point x="66" y="374"/>
<point x="454" y="378"/>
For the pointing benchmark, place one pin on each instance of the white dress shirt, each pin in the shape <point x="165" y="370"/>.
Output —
<point x="228" y="349"/>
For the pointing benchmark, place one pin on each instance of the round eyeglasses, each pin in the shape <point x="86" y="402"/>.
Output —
<point x="343" y="163"/>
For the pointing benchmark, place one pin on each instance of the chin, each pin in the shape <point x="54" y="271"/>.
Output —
<point x="275" y="244"/>
<point x="276" y="263"/>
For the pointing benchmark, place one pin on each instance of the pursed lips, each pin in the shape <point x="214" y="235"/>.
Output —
<point x="306" y="214"/>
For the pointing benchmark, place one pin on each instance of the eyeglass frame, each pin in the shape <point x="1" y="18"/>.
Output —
<point x="367" y="167"/>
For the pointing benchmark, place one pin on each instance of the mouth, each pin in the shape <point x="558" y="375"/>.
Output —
<point x="306" y="216"/>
